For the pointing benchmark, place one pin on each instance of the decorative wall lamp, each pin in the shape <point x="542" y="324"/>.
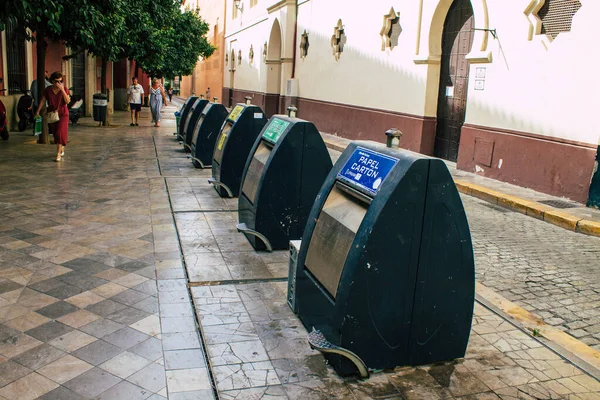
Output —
<point x="251" y="54"/>
<point x="238" y="4"/>
<point x="265" y="52"/>
<point x="492" y="31"/>
<point x="304" y="44"/>
<point x="240" y="57"/>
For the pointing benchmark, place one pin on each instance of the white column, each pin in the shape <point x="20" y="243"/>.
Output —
<point x="28" y="62"/>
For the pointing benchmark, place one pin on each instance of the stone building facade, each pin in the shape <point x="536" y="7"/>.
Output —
<point x="208" y="72"/>
<point x="504" y="89"/>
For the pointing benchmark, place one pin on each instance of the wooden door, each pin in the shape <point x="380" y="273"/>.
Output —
<point x="457" y="39"/>
<point x="78" y="76"/>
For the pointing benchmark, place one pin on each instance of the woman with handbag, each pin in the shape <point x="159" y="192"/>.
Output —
<point x="58" y="97"/>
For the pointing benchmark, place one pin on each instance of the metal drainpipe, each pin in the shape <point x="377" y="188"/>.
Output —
<point x="295" y="38"/>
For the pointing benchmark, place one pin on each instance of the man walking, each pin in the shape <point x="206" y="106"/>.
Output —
<point x="170" y="95"/>
<point x="135" y="94"/>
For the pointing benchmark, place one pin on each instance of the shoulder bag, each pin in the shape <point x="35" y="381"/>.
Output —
<point x="53" y="115"/>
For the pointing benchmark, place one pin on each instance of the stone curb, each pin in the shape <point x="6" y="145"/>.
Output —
<point x="531" y="208"/>
<point x="527" y="207"/>
<point x="562" y="343"/>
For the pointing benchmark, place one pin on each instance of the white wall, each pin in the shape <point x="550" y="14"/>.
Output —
<point x="364" y="74"/>
<point x="251" y="27"/>
<point x="530" y="85"/>
<point x="552" y="92"/>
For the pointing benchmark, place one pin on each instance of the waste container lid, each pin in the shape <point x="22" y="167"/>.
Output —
<point x="99" y="96"/>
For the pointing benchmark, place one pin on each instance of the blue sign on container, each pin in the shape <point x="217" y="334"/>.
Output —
<point x="367" y="169"/>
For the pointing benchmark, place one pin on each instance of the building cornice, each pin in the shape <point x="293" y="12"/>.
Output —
<point x="280" y="4"/>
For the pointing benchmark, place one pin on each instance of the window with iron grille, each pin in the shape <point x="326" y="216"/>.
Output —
<point x="394" y="32"/>
<point x="557" y="16"/>
<point x="15" y="60"/>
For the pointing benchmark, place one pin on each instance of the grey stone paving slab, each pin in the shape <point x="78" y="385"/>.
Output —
<point x="151" y="378"/>
<point x="179" y="324"/>
<point x="67" y="290"/>
<point x="101" y="327"/>
<point x="183" y="359"/>
<point x="57" y="310"/>
<point x="149" y="305"/>
<point x="7" y="332"/>
<point x="11" y="371"/>
<point x="128" y="316"/>
<point x="92" y="383"/>
<point x="105" y="307"/>
<point x="180" y="341"/>
<point x="125" y="391"/>
<point x="62" y="393"/>
<point x="49" y="331"/>
<point x="130" y="297"/>
<point x="175" y="310"/>
<point x="192" y="395"/>
<point x="98" y="352"/>
<point x="150" y="349"/>
<point x="39" y="356"/>
<point x="126" y="338"/>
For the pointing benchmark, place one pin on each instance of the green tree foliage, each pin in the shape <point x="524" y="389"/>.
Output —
<point x="70" y="21"/>
<point x="109" y="35"/>
<point x="170" y="44"/>
<point x="164" y="41"/>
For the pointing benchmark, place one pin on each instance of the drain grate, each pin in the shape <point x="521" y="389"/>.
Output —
<point x="559" y="203"/>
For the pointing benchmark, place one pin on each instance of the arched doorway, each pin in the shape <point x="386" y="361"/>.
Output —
<point x="273" y="62"/>
<point x="457" y="39"/>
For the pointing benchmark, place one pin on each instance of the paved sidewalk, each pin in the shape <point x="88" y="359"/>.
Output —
<point x="122" y="276"/>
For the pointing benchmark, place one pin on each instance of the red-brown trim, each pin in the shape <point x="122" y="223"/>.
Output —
<point x="362" y="123"/>
<point x="531" y="135"/>
<point x="547" y="166"/>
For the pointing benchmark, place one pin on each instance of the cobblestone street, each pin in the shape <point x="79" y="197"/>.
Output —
<point x="122" y="276"/>
<point x="550" y="271"/>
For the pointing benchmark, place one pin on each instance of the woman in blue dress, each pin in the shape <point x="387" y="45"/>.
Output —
<point x="157" y="99"/>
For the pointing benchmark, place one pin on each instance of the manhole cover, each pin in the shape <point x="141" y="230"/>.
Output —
<point x="559" y="203"/>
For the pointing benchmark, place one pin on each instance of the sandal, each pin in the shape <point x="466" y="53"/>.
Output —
<point x="58" y="159"/>
<point x="132" y="124"/>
